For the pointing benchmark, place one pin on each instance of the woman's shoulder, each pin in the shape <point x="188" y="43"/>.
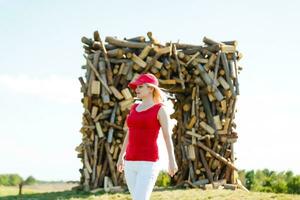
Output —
<point x="162" y="111"/>
<point x="162" y="106"/>
<point x="133" y="106"/>
<point x="162" y="103"/>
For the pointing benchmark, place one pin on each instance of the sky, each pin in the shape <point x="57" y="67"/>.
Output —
<point x="41" y="56"/>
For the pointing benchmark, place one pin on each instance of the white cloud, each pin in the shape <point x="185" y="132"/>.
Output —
<point x="55" y="88"/>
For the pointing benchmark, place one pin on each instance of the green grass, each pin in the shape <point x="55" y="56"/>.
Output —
<point x="9" y="193"/>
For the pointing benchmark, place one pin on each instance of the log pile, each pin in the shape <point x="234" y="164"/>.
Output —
<point x="204" y="80"/>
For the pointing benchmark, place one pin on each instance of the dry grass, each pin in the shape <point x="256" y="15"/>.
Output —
<point x="62" y="191"/>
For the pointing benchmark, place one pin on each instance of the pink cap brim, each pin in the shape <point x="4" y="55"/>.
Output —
<point x="134" y="84"/>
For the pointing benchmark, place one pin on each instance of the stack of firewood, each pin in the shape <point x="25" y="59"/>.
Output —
<point x="204" y="80"/>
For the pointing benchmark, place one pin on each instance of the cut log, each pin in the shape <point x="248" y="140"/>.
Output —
<point x="123" y="43"/>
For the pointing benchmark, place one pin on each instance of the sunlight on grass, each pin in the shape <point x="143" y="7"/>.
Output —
<point x="10" y="193"/>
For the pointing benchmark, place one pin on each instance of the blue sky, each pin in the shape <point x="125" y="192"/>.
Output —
<point x="41" y="58"/>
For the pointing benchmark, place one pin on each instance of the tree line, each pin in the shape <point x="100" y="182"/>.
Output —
<point x="260" y="180"/>
<point x="270" y="181"/>
<point x="15" y="179"/>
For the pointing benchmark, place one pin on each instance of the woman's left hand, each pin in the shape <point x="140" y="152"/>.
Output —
<point x="173" y="168"/>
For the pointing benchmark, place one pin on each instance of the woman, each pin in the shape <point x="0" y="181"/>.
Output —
<point x="139" y="155"/>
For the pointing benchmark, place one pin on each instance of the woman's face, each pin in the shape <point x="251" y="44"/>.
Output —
<point x="143" y="91"/>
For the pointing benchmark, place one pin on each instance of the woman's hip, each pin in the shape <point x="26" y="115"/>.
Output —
<point x="141" y="165"/>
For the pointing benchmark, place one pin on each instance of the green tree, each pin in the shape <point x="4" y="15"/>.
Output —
<point x="249" y="179"/>
<point x="30" y="180"/>
<point x="15" y="179"/>
<point x="270" y="181"/>
<point x="4" y="180"/>
<point x="279" y="184"/>
<point x="289" y="175"/>
<point x="294" y="185"/>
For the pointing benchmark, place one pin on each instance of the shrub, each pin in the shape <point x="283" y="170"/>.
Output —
<point x="163" y="179"/>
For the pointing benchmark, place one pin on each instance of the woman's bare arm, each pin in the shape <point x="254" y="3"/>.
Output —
<point x="122" y="153"/>
<point x="164" y="120"/>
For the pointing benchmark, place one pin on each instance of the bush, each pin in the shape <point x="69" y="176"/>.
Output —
<point x="163" y="179"/>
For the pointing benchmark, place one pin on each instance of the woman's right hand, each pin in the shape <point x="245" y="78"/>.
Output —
<point x="120" y="164"/>
<point x="173" y="168"/>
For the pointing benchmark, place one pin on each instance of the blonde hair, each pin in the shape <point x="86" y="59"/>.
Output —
<point x="159" y="96"/>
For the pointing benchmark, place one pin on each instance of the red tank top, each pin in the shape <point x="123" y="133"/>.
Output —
<point x="143" y="132"/>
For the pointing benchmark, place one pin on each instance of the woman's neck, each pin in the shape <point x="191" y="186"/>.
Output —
<point x="148" y="101"/>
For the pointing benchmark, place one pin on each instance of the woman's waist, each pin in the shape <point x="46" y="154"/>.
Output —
<point x="149" y="128"/>
<point x="144" y="131"/>
<point x="142" y="146"/>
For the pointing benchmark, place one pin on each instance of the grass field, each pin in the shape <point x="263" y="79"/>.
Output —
<point x="63" y="191"/>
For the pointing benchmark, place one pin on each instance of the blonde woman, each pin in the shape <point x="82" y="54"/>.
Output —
<point x="139" y="155"/>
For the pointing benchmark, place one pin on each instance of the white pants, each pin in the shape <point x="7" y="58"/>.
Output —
<point x="140" y="178"/>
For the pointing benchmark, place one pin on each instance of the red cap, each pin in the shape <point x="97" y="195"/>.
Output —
<point x="143" y="78"/>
